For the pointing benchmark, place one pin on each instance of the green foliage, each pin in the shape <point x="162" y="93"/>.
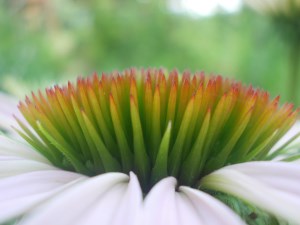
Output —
<point x="24" y="53"/>
<point x="68" y="38"/>
<point x="250" y="214"/>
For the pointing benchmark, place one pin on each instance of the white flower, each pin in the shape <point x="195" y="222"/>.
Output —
<point x="31" y="186"/>
<point x="35" y="192"/>
<point x="39" y="193"/>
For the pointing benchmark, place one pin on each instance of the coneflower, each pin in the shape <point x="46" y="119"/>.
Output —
<point x="186" y="141"/>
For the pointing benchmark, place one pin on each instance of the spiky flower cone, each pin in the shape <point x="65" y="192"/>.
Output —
<point x="154" y="123"/>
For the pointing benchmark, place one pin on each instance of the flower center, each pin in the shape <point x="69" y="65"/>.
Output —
<point x="154" y="123"/>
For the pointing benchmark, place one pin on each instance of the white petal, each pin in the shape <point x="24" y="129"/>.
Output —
<point x="160" y="207"/>
<point x="21" y="193"/>
<point x="10" y="166"/>
<point x="75" y="203"/>
<point x="104" y="208"/>
<point x="118" y="206"/>
<point x="187" y="212"/>
<point x="271" y="186"/>
<point x="131" y="204"/>
<point x="293" y="147"/>
<point x="283" y="176"/>
<point x="10" y="147"/>
<point x="295" y="129"/>
<point x="211" y="210"/>
<point x="164" y="205"/>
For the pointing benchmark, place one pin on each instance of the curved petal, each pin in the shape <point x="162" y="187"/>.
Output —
<point x="79" y="200"/>
<point x="131" y="204"/>
<point x="210" y="209"/>
<point x="119" y="205"/>
<point x="10" y="166"/>
<point x="164" y="205"/>
<point x="283" y="176"/>
<point x="11" y="147"/>
<point x="21" y="193"/>
<point x="160" y="207"/>
<point x="272" y="186"/>
<point x="293" y="146"/>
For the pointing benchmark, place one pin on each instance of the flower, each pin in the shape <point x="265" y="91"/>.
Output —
<point x="150" y="147"/>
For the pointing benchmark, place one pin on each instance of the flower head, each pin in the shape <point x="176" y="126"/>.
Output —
<point x="187" y="140"/>
<point x="154" y="124"/>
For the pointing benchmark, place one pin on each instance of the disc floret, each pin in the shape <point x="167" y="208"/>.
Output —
<point x="154" y="123"/>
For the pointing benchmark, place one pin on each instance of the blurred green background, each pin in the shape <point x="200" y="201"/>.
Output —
<point x="44" y="42"/>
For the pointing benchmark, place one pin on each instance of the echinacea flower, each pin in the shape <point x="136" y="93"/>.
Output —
<point x="150" y="147"/>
